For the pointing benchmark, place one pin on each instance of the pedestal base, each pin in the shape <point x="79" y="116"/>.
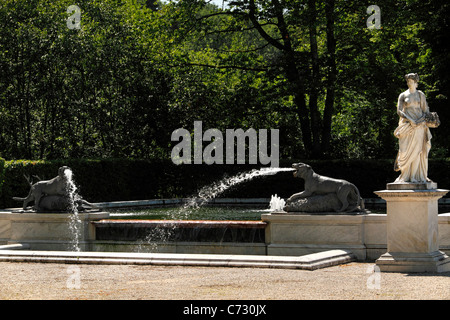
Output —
<point x="412" y="231"/>
<point x="414" y="262"/>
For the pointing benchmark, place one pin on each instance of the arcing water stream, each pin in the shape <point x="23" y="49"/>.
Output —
<point x="213" y="190"/>
<point x="207" y="193"/>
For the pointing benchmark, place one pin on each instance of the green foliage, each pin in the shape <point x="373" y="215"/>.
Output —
<point x="95" y="91"/>
<point x="137" y="70"/>
<point x="231" y="70"/>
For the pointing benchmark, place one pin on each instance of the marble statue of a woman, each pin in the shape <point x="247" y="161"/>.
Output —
<point x="413" y="133"/>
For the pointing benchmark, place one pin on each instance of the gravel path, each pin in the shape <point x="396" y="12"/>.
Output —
<point x="51" y="281"/>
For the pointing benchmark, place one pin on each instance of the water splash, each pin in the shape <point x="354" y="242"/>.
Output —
<point x="276" y="203"/>
<point x="74" y="219"/>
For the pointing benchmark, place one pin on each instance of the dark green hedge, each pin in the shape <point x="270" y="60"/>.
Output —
<point x="125" y="179"/>
<point x="2" y="167"/>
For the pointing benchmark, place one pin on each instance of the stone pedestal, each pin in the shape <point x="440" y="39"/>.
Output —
<point x="412" y="230"/>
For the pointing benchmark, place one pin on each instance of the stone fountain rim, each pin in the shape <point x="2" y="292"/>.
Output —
<point x="184" y="223"/>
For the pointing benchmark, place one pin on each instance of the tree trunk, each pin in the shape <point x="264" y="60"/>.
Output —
<point x="298" y="90"/>
<point x="331" y="77"/>
<point x="290" y="68"/>
<point x="315" y="83"/>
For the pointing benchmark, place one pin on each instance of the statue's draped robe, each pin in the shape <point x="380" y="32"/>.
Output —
<point x="414" y="141"/>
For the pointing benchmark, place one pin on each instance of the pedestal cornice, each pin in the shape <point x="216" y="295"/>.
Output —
<point x="411" y="195"/>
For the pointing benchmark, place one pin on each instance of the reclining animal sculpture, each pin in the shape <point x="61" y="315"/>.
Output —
<point x="52" y="195"/>
<point x="323" y="194"/>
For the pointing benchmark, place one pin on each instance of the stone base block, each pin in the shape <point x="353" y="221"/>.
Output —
<point x="407" y="262"/>
<point x="412" y="185"/>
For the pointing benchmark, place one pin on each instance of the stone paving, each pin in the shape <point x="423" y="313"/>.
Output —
<point x="355" y="280"/>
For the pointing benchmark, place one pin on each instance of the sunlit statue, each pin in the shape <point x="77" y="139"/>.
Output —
<point x="413" y="133"/>
<point x="53" y="195"/>
<point x="323" y="194"/>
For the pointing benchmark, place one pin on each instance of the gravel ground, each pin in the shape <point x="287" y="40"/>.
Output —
<point x="51" y="281"/>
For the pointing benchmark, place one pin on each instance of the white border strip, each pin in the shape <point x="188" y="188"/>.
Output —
<point x="307" y="262"/>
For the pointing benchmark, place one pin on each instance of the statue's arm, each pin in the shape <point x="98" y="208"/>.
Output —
<point x="423" y="103"/>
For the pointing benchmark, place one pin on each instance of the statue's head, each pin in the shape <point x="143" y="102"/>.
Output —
<point x="412" y="78"/>
<point x="61" y="171"/>
<point x="301" y="169"/>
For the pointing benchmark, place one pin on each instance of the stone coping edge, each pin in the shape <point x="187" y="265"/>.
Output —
<point x="216" y="201"/>
<point x="307" y="262"/>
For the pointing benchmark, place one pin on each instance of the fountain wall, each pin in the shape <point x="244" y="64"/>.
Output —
<point x="52" y="231"/>
<point x="181" y="236"/>
<point x="283" y="234"/>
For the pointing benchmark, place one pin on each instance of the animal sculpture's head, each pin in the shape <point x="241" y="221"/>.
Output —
<point x="61" y="172"/>
<point x="301" y="169"/>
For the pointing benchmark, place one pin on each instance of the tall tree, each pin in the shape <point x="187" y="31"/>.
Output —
<point x="281" y="26"/>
